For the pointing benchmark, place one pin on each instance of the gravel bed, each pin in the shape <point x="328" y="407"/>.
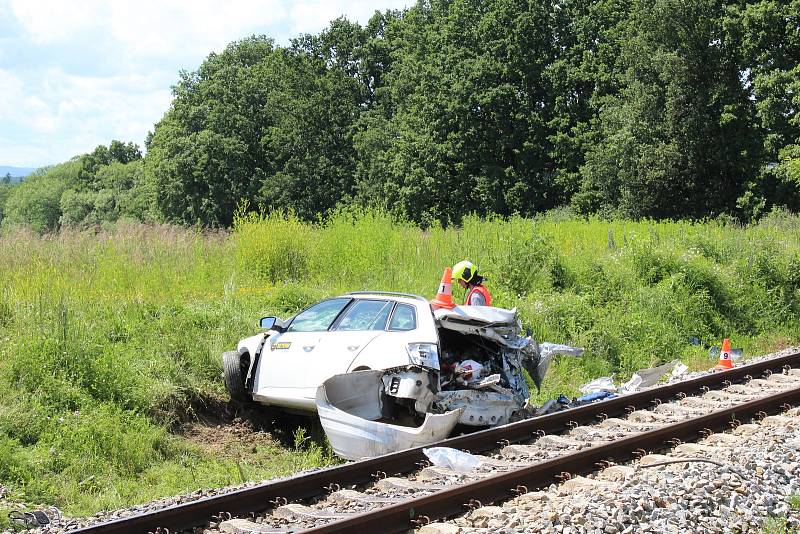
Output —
<point x="66" y="524"/>
<point x="759" y="473"/>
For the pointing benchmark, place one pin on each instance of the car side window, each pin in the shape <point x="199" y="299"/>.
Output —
<point x="404" y="318"/>
<point x="318" y="317"/>
<point x="366" y="315"/>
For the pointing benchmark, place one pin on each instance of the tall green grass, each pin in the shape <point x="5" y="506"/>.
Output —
<point x="108" y="341"/>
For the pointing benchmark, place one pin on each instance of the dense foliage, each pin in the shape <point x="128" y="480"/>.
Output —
<point x="648" y="108"/>
<point x="89" y="190"/>
<point x="111" y="342"/>
<point x="651" y="108"/>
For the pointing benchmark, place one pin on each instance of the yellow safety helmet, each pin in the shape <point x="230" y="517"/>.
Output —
<point x="464" y="270"/>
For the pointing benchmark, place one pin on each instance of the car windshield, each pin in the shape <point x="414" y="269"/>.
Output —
<point x="318" y="317"/>
<point x="366" y="315"/>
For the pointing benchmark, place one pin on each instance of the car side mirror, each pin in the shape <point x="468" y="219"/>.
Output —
<point x="273" y="323"/>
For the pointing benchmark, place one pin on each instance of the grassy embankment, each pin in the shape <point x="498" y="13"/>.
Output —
<point x="108" y="342"/>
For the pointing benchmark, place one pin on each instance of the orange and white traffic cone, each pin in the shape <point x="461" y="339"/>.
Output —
<point x="725" y="360"/>
<point x="444" y="297"/>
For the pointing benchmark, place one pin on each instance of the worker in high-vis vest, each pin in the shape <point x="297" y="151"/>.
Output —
<point x="467" y="275"/>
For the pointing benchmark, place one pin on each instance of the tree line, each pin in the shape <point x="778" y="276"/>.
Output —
<point x="642" y="108"/>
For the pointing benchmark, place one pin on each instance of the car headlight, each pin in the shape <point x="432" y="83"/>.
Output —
<point x="425" y="354"/>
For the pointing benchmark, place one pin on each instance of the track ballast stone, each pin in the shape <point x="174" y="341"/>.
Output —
<point x="760" y="472"/>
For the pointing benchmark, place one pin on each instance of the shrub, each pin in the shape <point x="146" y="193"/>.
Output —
<point x="274" y="246"/>
<point x="652" y="265"/>
<point x="36" y="202"/>
<point x="530" y="263"/>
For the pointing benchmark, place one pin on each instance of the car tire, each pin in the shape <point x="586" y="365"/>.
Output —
<point x="235" y="369"/>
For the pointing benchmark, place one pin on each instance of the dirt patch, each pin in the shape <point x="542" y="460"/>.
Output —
<point x="230" y="440"/>
<point x="233" y="430"/>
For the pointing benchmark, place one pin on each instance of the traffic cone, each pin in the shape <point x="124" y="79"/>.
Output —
<point x="725" y="360"/>
<point x="444" y="297"/>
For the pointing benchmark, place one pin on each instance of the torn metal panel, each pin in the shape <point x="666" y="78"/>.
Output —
<point x="351" y="407"/>
<point x="546" y="352"/>
<point x="411" y="383"/>
<point x="500" y="325"/>
<point x="479" y="408"/>
<point x="504" y="328"/>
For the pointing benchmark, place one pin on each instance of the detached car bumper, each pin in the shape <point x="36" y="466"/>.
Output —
<point x="351" y="407"/>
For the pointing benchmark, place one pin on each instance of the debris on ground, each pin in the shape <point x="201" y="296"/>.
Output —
<point x="562" y="402"/>
<point x="643" y="378"/>
<point x="605" y="383"/>
<point x="34" y="518"/>
<point x="452" y="458"/>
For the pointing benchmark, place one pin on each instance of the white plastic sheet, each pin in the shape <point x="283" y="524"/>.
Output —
<point x="631" y="385"/>
<point x="469" y="371"/>
<point x="605" y="383"/>
<point x="548" y="350"/>
<point x="640" y="379"/>
<point x="452" y="458"/>
<point x="679" y="369"/>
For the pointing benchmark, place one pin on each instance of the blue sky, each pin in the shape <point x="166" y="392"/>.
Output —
<point x="76" y="74"/>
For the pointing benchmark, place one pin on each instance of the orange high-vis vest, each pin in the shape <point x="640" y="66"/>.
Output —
<point x="483" y="291"/>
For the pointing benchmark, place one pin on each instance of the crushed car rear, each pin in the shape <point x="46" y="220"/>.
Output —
<point x="478" y="381"/>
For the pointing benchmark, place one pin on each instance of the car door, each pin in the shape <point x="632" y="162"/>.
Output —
<point x="283" y="374"/>
<point x="356" y="326"/>
<point x="360" y="323"/>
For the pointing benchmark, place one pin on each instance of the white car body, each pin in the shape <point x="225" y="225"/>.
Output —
<point x="381" y="381"/>
<point x="286" y="368"/>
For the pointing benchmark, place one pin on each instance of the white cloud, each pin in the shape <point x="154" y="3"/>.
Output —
<point x="72" y="114"/>
<point x="21" y="107"/>
<point x="49" y="21"/>
<point x="172" y="28"/>
<point x="311" y="16"/>
<point x="167" y="27"/>
<point x="54" y="111"/>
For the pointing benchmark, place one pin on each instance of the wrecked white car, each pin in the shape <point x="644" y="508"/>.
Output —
<point x="424" y="371"/>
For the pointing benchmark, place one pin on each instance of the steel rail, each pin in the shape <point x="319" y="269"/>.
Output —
<point x="455" y="500"/>
<point x="309" y="485"/>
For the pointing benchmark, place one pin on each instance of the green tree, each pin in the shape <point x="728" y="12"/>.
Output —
<point x="269" y="125"/>
<point x="588" y="36"/>
<point x="117" y="190"/>
<point x="116" y="152"/>
<point x="464" y="129"/>
<point x="35" y="202"/>
<point x="5" y="191"/>
<point x="678" y="139"/>
<point x="769" y="53"/>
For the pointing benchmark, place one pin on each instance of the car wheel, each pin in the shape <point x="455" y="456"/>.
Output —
<point x="235" y="369"/>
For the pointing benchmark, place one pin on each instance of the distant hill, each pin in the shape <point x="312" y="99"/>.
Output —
<point x="17" y="173"/>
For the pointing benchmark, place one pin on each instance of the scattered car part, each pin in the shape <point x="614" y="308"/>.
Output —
<point x="35" y="518"/>
<point x="351" y="407"/>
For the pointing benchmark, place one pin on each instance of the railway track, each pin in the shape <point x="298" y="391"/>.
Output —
<point x="400" y="491"/>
